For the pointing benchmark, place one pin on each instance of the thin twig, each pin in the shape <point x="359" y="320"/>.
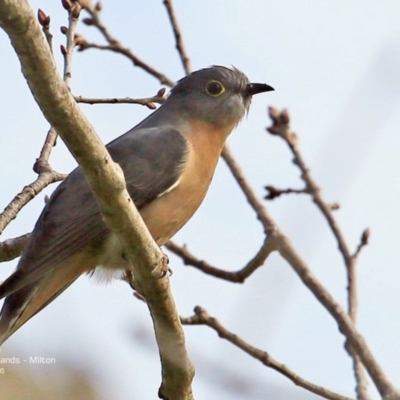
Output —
<point x="359" y="371"/>
<point x="42" y="163"/>
<point x="281" y="128"/>
<point x="201" y="317"/>
<point x="287" y="251"/>
<point x="358" y="344"/>
<point x="27" y="194"/>
<point x="231" y="276"/>
<point x="12" y="248"/>
<point x="115" y="46"/>
<point x="178" y="37"/>
<point x="46" y="174"/>
<point x="73" y="16"/>
<point x="44" y="21"/>
<point x="363" y="242"/>
<point x="274" y="192"/>
<point x="126" y="100"/>
<point x="248" y="191"/>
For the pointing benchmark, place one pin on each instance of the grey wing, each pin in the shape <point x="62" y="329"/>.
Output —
<point x="152" y="160"/>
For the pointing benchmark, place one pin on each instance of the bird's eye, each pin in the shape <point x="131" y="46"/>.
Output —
<point x="214" y="88"/>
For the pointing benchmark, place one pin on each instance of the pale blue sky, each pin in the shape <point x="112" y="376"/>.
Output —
<point x="336" y="66"/>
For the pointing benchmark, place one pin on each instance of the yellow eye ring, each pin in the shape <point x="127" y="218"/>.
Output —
<point x="215" y="88"/>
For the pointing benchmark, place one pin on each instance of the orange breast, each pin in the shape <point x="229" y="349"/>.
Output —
<point x="168" y="213"/>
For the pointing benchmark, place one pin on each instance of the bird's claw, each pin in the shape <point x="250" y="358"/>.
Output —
<point x="162" y="269"/>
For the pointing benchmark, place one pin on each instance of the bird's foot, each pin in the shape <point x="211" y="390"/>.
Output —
<point x="162" y="269"/>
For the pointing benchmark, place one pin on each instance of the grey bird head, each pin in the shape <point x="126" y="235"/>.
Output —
<point x="216" y="95"/>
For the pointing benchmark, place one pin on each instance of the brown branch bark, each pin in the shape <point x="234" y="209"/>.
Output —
<point x="26" y="195"/>
<point x="248" y="191"/>
<point x="126" y="100"/>
<point x="201" y="317"/>
<point x="238" y="276"/>
<point x="282" y="129"/>
<point x="115" y="46"/>
<point x="278" y="241"/>
<point x="42" y="167"/>
<point x="121" y="216"/>
<point x="178" y="37"/>
<point x="283" y="245"/>
<point x="12" y="248"/>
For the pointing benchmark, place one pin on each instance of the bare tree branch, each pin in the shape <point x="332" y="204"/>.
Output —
<point x="44" y="21"/>
<point x="73" y="16"/>
<point x="115" y="46"/>
<point x="120" y="214"/>
<point x="147" y="101"/>
<point x="248" y="191"/>
<point x="345" y="324"/>
<point x="27" y="194"/>
<point x="42" y="167"/>
<point x="232" y="276"/>
<point x="274" y="192"/>
<point x="168" y="333"/>
<point x="12" y="248"/>
<point x="278" y="241"/>
<point x="201" y="317"/>
<point x="287" y="251"/>
<point x="281" y="128"/>
<point x="363" y="242"/>
<point x="178" y="37"/>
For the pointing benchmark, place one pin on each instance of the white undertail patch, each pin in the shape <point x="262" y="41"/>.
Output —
<point x="112" y="263"/>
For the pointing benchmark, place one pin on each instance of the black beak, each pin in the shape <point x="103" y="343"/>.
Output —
<point x="254" y="88"/>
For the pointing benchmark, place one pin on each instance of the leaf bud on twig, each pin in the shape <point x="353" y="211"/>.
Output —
<point x="63" y="50"/>
<point x="66" y="4"/>
<point x="43" y="18"/>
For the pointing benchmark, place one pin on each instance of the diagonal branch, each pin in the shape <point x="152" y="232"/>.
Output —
<point x="282" y="129"/>
<point x="248" y="191"/>
<point x="12" y="248"/>
<point x="46" y="175"/>
<point x="115" y="46"/>
<point x="232" y="276"/>
<point x="119" y="212"/>
<point x="287" y="251"/>
<point x="178" y="37"/>
<point x="26" y="195"/>
<point x="201" y="317"/>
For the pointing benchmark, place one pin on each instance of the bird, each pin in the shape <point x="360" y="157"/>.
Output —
<point x="168" y="161"/>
